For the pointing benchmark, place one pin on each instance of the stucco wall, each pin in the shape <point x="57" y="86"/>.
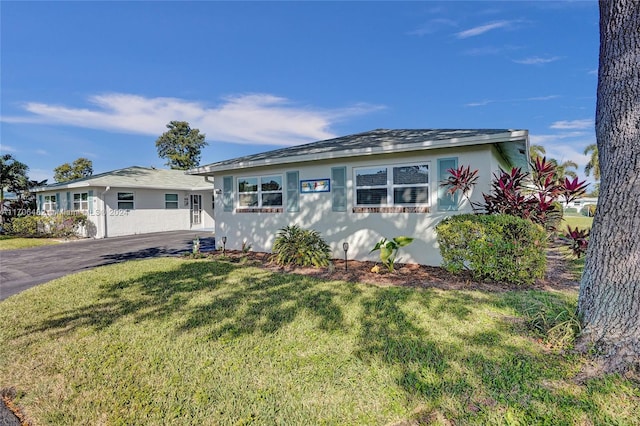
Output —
<point x="361" y="230"/>
<point x="148" y="215"/>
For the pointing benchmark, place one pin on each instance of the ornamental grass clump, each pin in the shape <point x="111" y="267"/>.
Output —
<point x="300" y="247"/>
<point x="498" y="247"/>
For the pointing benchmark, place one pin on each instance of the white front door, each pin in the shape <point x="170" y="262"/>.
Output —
<point x="196" y="209"/>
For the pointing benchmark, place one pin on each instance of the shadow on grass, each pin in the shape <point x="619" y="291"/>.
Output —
<point x="223" y="297"/>
<point x="478" y="367"/>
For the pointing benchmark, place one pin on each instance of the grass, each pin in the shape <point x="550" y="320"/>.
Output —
<point x="582" y="222"/>
<point x="173" y="341"/>
<point x="9" y="242"/>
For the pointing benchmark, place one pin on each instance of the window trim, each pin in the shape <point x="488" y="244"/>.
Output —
<point x="259" y="192"/>
<point x="51" y="204"/>
<point x="80" y="201"/>
<point x="176" y="201"/>
<point x="132" y="201"/>
<point x="391" y="186"/>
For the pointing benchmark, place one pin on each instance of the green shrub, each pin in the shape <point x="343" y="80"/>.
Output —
<point x="571" y="210"/>
<point x="498" y="247"/>
<point x="26" y="226"/>
<point x="296" y="246"/>
<point x="60" y="225"/>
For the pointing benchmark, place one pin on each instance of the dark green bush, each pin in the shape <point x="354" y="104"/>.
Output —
<point x="498" y="247"/>
<point x="299" y="247"/>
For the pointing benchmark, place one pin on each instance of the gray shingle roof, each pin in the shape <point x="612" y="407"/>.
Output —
<point x="137" y="177"/>
<point x="381" y="141"/>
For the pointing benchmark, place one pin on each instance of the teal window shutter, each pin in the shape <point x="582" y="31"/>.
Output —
<point x="90" y="200"/>
<point x="339" y="189"/>
<point x="293" y="192"/>
<point x="40" y="202"/>
<point x="446" y="202"/>
<point x="58" y="201"/>
<point x="68" y="201"/>
<point x="227" y="193"/>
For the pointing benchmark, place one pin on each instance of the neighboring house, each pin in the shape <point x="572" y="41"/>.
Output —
<point x="134" y="200"/>
<point x="358" y="188"/>
<point x="579" y="203"/>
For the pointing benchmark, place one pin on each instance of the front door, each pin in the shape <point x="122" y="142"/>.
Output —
<point x="196" y="209"/>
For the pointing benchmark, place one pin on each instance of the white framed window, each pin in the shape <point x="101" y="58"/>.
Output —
<point x="260" y="191"/>
<point x="49" y="203"/>
<point x="125" y="200"/>
<point x="402" y="185"/>
<point x="81" y="201"/>
<point x="170" y="201"/>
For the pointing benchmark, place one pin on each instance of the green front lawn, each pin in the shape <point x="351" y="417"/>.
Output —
<point x="582" y="222"/>
<point x="9" y="242"/>
<point x="173" y="341"/>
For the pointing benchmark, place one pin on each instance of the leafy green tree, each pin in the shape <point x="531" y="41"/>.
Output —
<point x="80" y="168"/>
<point x="594" y="162"/>
<point x="181" y="145"/>
<point x="13" y="175"/>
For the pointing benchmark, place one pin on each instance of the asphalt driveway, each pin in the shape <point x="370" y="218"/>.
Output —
<point x="26" y="268"/>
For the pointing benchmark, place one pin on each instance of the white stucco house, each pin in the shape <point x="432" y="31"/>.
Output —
<point x="134" y="200"/>
<point x="358" y="188"/>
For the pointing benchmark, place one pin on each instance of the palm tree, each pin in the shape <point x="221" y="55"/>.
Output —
<point x="594" y="161"/>
<point x="564" y="169"/>
<point x="536" y="151"/>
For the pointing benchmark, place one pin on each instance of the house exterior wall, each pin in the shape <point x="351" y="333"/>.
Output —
<point x="361" y="227"/>
<point x="110" y="217"/>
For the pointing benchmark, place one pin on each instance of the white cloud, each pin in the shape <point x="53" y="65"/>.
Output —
<point x="536" y="60"/>
<point x="249" y="118"/>
<point x="586" y="123"/>
<point x="433" y="26"/>
<point x="476" y="31"/>
<point x="41" y="152"/>
<point x="7" y="148"/>
<point x="532" y="99"/>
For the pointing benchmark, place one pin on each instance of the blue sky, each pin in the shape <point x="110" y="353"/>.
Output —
<point x="102" y="79"/>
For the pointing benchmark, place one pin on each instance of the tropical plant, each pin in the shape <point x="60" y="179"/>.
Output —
<point x="536" y="151"/>
<point x="577" y="240"/>
<point x="593" y="165"/>
<point x="300" y="247"/>
<point x="389" y="250"/>
<point x="461" y="179"/>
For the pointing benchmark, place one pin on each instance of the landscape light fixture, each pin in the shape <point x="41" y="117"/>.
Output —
<point x="224" y="245"/>
<point x="345" y="247"/>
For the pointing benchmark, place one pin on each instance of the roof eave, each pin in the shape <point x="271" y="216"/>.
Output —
<point x="388" y="149"/>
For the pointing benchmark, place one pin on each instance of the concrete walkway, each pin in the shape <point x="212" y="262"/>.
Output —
<point x="26" y="268"/>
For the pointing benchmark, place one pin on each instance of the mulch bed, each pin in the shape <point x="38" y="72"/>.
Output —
<point x="556" y="278"/>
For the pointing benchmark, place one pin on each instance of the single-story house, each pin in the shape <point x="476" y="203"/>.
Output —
<point x="358" y="188"/>
<point x="579" y="203"/>
<point x="134" y="200"/>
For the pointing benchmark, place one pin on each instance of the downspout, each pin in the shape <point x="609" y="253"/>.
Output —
<point x="104" y="210"/>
